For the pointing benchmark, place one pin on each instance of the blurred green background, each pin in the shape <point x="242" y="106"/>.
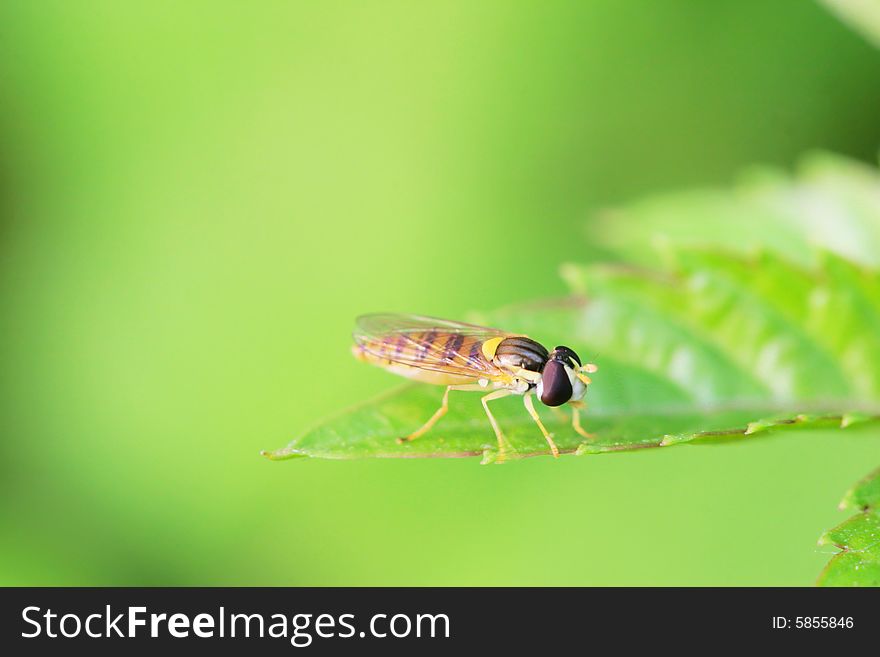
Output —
<point x="196" y="199"/>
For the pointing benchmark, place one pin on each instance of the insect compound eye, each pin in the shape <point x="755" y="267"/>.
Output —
<point x="567" y="355"/>
<point x="556" y="386"/>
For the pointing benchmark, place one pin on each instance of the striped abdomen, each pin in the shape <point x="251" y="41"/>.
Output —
<point x="428" y="349"/>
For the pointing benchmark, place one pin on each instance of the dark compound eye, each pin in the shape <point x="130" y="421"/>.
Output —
<point x="556" y="384"/>
<point x="567" y="354"/>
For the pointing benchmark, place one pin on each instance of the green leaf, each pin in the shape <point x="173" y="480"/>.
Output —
<point x="858" y="562"/>
<point x="865" y="494"/>
<point x="719" y="347"/>
<point x="861" y="15"/>
<point x="825" y="219"/>
<point x="830" y="204"/>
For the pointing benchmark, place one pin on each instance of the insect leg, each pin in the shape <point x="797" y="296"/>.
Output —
<point x="576" y="419"/>
<point x="503" y="446"/>
<point x="440" y="412"/>
<point x="530" y="407"/>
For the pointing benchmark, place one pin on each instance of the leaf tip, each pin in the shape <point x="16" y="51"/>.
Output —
<point x="283" y="454"/>
<point x="755" y="427"/>
<point x="675" y="438"/>
<point x="490" y="456"/>
<point x="588" y="448"/>
<point x="852" y="419"/>
<point x="829" y="537"/>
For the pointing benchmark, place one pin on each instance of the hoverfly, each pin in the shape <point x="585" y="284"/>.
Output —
<point x="469" y="357"/>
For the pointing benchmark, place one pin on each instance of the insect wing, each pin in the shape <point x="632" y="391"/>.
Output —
<point x="429" y="343"/>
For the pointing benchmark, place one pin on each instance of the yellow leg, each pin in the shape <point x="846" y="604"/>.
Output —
<point x="503" y="446"/>
<point x="530" y="407"/>
<point x="440" y="412"/>
<point x="576" y="419"/>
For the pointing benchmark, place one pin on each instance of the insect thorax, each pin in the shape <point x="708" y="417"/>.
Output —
<point x="521" y="353"/>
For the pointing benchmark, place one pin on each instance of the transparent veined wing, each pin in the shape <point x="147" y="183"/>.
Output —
<point x="429" y="343"/>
